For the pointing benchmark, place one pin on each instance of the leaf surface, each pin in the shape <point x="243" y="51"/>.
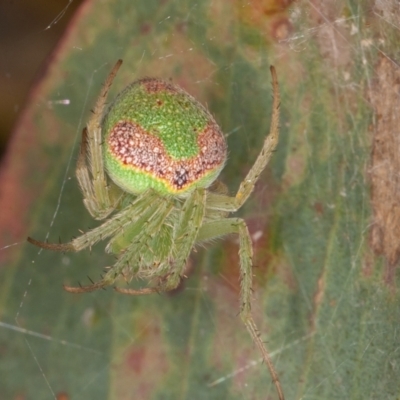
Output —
<point x="326" y="298"/>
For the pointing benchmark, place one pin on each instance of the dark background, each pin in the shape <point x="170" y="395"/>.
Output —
<point x="29" y="31"/>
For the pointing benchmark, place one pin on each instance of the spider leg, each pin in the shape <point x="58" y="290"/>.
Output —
<point x="86" y="184"/>
<point x="138" y="231"/>
<point x="107" y="229"/>
<point x="52" y="246"/>
<point x="224" y="227"/>
<point x="231" y="204"/>
<point x="185" y="233"/>
<point x="85" y="289"/>
<point x="247" y="185"/>
<point x="137" y="292"/>
<point x="92" y="180"/>
<point x="83" y="176"/>
<point x="145" y="222"/>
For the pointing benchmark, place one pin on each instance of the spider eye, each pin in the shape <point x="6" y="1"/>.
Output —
<point x="157" y="136"/>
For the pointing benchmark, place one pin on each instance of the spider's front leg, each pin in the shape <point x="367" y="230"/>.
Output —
<point x="228" y="226"/>
<point x="232" y="204"/>
<point x="92" y="180"/>
<point x="247" y="186"/>
<point x="109" y="228"/>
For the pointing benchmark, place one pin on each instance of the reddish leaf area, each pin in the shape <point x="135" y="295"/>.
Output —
<point x="147" y="353"/>
<point x="22" y="168"/>
<point x="267" y="15"/>
<point x="18" y="191"/>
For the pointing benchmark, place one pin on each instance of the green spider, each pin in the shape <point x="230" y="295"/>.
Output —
<point x="163" y="152"/>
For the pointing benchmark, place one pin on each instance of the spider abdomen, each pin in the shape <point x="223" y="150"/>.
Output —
<point x="155" y="135"/>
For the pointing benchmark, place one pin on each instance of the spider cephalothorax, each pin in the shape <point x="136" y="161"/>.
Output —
<point x="163" y="151"/>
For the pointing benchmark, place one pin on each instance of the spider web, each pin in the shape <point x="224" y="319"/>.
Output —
<point x="325" y="304"/>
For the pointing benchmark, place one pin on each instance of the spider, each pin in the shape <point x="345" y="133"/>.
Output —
<point x="162" y="152"/>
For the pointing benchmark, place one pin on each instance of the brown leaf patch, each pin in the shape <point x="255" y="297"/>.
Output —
<point x="385" y="163"/>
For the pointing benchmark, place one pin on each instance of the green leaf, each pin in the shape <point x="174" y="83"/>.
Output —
<point x="323" y="223"/>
